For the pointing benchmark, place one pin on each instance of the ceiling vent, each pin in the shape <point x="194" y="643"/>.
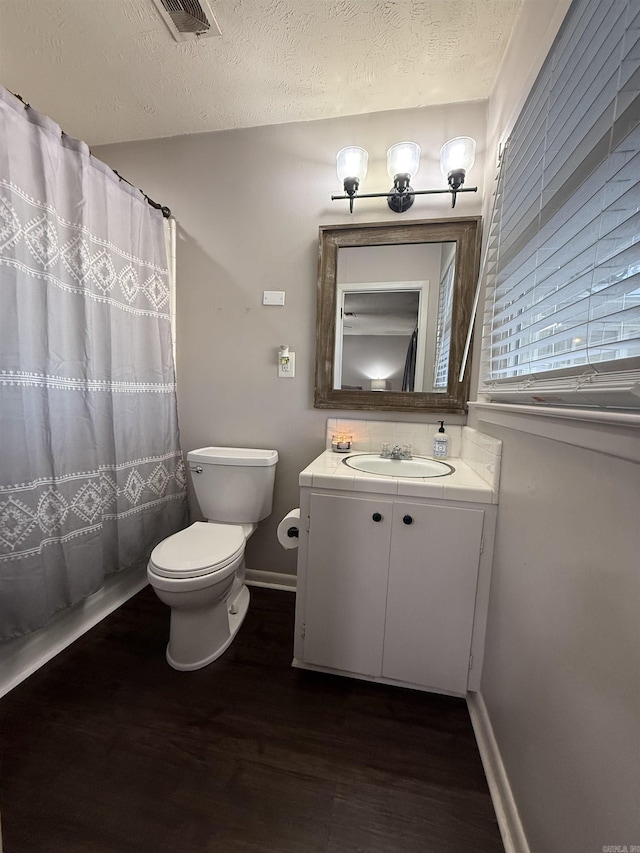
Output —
<point x="188" y="19"/>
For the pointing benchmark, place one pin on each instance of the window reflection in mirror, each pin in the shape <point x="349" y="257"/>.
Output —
<point x="394" y="335"/>
<point x="394" y="305"/>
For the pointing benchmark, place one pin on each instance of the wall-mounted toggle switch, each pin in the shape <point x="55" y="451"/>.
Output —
<point x="273" y="297"/>
<point x="286" y="362"/>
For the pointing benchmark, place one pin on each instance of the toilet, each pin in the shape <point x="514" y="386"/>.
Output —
<point x="200" y="571"/>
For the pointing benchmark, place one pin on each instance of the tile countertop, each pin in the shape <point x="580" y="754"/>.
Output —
<point x="328" y="472"/>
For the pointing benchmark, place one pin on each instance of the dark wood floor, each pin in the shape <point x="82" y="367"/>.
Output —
<point x="109" y="750"/>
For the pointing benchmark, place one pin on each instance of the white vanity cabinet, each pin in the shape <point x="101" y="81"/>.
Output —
<point x="393" y="589"/>
<point x="347" y="575"/>
<point x="433" y="578"/>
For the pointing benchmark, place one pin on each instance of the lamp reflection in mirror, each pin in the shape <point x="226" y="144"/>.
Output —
<point x="379" y="384"/>
<point x="351" y="164"/>
<point x="403" y="161"/>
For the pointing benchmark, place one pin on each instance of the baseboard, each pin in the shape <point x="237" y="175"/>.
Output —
<point x="20" y="658"/>
<point x="271" y="580"/>
<point x="511" y="828"/>
<point x="372" y="679"/>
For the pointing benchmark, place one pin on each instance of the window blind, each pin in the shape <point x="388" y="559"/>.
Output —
<point x="563" y="262"/>
<point x="443" y="333"/>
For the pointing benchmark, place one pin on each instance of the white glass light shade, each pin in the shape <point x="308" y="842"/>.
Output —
<point x="457" y="154"/>
<point x="403" y="158"/>
<point x="352" y="163"/>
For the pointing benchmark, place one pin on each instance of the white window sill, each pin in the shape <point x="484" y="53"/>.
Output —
<point x="613" y="433"/>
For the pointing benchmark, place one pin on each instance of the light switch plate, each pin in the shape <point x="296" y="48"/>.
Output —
<point x="273" y="297"/>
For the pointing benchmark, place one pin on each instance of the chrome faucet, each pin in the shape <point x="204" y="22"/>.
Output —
<point x="396" y="452"/>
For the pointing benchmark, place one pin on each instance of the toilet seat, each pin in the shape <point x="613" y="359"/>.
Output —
<point x="199" y="550"/>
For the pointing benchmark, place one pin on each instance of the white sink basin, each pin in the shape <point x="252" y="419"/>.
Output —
<point x="419" y="466"/>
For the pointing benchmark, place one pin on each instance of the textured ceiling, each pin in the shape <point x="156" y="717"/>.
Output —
<point x="109" y="71"/>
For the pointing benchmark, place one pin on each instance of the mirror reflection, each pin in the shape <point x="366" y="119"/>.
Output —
<point x="394" y="335"/>
<point x="394" y="305"/>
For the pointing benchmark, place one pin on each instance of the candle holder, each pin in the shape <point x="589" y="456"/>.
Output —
<point x="341" y="442"/>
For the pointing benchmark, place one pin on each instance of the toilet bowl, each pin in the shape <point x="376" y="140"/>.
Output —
<point x="199" y="572"/>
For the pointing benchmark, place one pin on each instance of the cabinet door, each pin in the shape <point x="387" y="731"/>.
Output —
<point x="431" y="599"/>
<point x="346" y="588"/>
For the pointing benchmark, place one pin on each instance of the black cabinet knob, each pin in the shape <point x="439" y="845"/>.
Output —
<point x="407" y="519"/>
<point x="376" y="516"/>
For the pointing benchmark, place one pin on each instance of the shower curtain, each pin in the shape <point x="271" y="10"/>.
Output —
<point x="91" y="473"/>
<point x="409" y="375"/>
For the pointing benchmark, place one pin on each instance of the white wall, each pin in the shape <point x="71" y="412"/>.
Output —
<point x="248" y="204"/>
<point x="562" y="662"/>
<point x="359" y="352"/>
<point x="562" y="665"/>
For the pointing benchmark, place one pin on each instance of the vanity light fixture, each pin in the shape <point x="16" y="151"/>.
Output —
<point x="457" y="156"/>
<point x="351" y="164"/>
<point x="403" y="162"/>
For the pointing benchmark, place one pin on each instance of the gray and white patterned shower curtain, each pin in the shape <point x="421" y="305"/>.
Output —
<point x="91" y="473"/>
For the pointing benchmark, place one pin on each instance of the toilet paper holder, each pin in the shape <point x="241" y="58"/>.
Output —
<point x="288" y="532"/>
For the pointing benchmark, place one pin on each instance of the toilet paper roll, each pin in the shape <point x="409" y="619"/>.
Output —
<point x="289" y="528"/>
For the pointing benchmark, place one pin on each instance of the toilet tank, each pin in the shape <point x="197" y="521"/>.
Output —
<point x="233" y="484"/>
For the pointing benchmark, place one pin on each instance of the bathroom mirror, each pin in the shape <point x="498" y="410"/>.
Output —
<point x="394" y="303"/>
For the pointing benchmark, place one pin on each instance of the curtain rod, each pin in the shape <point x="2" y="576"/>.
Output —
<point x="166" y="212"/>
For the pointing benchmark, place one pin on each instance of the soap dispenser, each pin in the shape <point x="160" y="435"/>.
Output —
<point x="441" y="443"/>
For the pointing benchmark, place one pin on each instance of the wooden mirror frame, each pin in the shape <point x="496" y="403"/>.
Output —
<point x="466" y="233"/>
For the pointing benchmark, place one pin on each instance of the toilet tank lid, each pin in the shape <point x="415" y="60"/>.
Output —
<point x="233" y="456"/>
